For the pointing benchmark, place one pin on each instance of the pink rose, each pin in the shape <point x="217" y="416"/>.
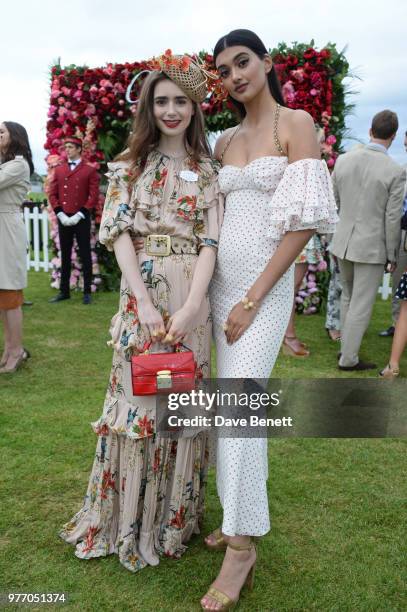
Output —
<point x="331" y="140"/>
<point x="331" y="162"/>
<point x="105" y="100"/>
<point x="118" y="87"/>
<point x="314" y="92"/>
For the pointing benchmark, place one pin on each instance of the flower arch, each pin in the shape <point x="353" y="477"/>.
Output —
<point x="90" y="103"/>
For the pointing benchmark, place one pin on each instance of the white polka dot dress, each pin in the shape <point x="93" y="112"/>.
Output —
<point x="264" y="199"/>
<point x="401" y="293"/>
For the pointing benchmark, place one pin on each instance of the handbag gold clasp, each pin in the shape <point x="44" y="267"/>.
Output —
<point x="164" y="380"/>
<point x="158" y="244"/>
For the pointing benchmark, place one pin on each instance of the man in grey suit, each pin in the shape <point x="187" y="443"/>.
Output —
<point x="401" y="265"/>
<point x="369" y="189"/>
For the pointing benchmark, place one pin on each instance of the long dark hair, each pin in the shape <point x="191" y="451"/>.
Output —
<point x="247" y="38"/>
<point x="145" y="135"/>
<point x="19" y="144"/>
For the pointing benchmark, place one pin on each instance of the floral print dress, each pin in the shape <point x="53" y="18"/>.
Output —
<point x="146" y="492"/>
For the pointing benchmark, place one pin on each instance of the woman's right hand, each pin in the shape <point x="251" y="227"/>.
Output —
<point x="150" y="319"/>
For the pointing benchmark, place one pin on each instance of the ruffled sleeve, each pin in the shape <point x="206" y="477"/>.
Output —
<point x="118" y="213"/>
<point x="209" y="206"/>
<point x="304" y="199"/>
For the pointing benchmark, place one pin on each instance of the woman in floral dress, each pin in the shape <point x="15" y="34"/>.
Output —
<point x="145" y="494"/>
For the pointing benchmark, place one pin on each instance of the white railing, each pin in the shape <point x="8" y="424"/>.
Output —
<point x="37" y="255"/>
<point x="385" y="288"/>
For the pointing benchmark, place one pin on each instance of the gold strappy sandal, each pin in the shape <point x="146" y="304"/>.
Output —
<point x="389" y="372"/>
<point x="220" y="542"/>
<point x="226" y="602"/>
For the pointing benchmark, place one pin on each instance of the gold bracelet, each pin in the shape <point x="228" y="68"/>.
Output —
<point x="249" y="304"/>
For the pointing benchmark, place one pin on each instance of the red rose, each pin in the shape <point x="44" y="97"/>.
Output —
<point x="310" y="53"/>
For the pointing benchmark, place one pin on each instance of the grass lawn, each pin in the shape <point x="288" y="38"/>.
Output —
<point x="337" y="505"/>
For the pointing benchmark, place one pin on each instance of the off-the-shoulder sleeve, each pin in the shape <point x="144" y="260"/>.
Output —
<point x="211" y="204"/>
<point x="118" y="213"/>
<point x="304" y="199"/>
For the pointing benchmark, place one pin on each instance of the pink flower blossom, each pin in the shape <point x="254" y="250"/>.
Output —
<point x="314" y="92"/>
<point x="118" y="87"/>
<point x="90" y="110"/>
<point x="331" y="139"/>
<point x="322" y="266"/>
<point x="299" y="300"/>
<point x="331" y="162"/>
<point x="78" y="94"/>
<point x="298" y="74"/>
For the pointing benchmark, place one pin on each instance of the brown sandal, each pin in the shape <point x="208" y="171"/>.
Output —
<point x="220" y="543"/>
<point x="290" y="352"/>
<point x="226" y="602"/>
<point x="389" y="372"/>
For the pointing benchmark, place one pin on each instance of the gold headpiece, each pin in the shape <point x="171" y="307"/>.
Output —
<point x="185" y="71"/>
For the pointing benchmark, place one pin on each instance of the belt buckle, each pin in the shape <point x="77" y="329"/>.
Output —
<point x="158" y="244"/>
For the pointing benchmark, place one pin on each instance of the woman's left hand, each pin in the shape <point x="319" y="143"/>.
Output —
<point x="179" y="325"/>
<point x="238" y="321"/>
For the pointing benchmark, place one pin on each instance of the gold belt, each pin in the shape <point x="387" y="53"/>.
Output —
<point x="162" y="245"/>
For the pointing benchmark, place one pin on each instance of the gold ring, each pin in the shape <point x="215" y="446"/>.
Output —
<point x="169" y="337"/>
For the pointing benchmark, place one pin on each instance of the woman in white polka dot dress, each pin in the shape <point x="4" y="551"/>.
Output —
<point x="278" y="192"/>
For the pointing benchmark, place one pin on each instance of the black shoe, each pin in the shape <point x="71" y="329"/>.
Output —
<point x="27" y="303"/>
<point x="387" y="332"/>
<point x="359" y="366"/>
<point x="87" y="298"/>
<point x="59" y="298"/>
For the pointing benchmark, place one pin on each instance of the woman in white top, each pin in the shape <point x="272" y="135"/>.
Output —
<point x="15" y="169"/>
<point x="278" y="193"/>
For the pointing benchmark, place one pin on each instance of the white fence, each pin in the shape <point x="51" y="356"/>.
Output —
<point x="37" y="228"/>
<point x="34" y="219"/>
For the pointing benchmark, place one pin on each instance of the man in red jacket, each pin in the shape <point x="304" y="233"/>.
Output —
<point x="73" y="192"/>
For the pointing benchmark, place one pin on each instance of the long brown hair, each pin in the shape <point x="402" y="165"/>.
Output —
<point x="145" y="135"/>
<point x="19" y="143"/>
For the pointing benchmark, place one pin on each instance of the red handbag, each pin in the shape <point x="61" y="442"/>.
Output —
<point x="153" y="373"/>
